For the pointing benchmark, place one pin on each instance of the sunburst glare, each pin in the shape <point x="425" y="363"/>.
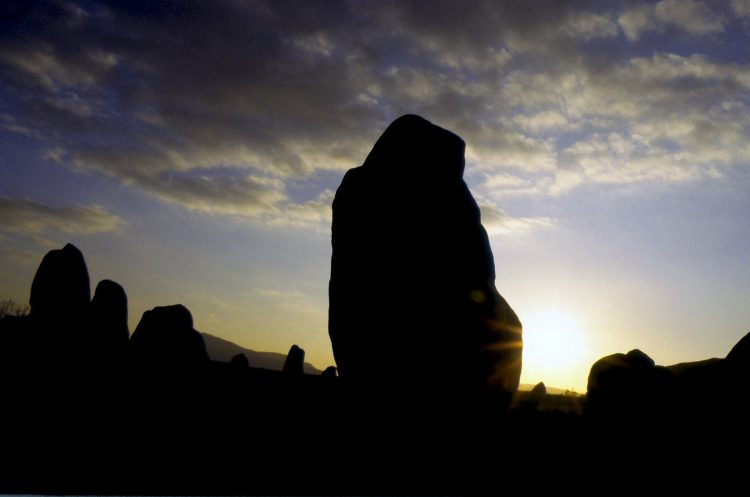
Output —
<point x="554" y="347"/>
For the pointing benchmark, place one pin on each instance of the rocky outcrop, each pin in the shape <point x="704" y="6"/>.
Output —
<point x="165" y="338"/>
<point x="413" y="277"/>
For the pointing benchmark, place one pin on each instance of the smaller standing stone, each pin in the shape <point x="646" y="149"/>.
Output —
<point x="108" y="320"/>
<point x="540" y="388"/>
<point x="165" y="338"/>
<point x="294" y="362"/>
<point x="330" y="372"/>
<point x="239" y="361"/>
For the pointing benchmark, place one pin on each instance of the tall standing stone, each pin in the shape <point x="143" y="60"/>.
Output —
<point x="60" y="296"/>
<point x="60" y="292"/>
<point x="413" y="304"/>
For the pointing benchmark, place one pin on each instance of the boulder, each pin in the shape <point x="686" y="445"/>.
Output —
<point x="539" y="389"/>
<point x="239" y="361"/>
<point x="413" y="306"/>
<point x="631" y="385"/>
<point x="165" y="338"/>
<point x="330" y="372"/>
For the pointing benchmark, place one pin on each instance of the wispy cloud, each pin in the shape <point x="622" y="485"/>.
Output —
<point x="691" y="16"/>
<point x="315" y="214"/>
<point x="28" y="217"/>
<point x="28" y="228"/>
<point x="498" y="222"/>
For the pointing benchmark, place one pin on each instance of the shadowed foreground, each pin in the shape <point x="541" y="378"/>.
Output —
<point x="153" y="415"/>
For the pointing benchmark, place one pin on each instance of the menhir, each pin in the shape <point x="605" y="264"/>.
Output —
<point x="60" y="292"/>
<point x="413" y="304"/>
<point x="60" y="296"/>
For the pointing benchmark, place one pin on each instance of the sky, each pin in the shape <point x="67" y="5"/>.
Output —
<point x="191" y="150"/>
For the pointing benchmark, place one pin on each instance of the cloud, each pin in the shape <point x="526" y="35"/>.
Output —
<point x="542" y="121"/>
<point x="259" y="87"/>
<point x="315" y="214"/>
<point x="665" y="118"/>
<point x="741" y="8"/>
<point x="498" y="222"/>
<point x="276" y="92"/>
<point x="29" y="228"/>
<point x="292" y="301"/>
<point x="22" y="216"/>
<point x="589" y="26"/>
<point x="692" y="17"/>
<point x="246" y="196"/>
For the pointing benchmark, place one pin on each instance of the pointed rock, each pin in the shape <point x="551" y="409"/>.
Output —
<point x="295" y="361"/>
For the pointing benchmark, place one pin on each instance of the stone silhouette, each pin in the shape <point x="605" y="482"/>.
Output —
<point x="59" y="300"/>
<point x="184" y="423"/>
<point x="165" y="338"/>
<point x="329" y="372"/>
<point x="413" y="303"/>
<point x="60" y="292"/>
<point x="108" y="320"/>
<point x="739" y="356"/>
<point x="295" y="361"/>
<point x="715" y="387"/>
<point x="630" y="384"/>
<point x="540" y="388"/>
<point x="239" y="361"/>
<point x="737" y="371"/>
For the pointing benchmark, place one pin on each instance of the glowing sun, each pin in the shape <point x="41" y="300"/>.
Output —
<point x="553" y="344"/>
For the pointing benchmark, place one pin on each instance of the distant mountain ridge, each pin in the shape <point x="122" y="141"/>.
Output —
<point x="223" y="350"/>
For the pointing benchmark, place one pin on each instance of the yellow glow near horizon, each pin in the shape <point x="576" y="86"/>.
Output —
<point x="554" y="349"/>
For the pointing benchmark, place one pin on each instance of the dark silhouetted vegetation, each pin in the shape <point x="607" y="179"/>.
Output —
<point x="9" y="308"/>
